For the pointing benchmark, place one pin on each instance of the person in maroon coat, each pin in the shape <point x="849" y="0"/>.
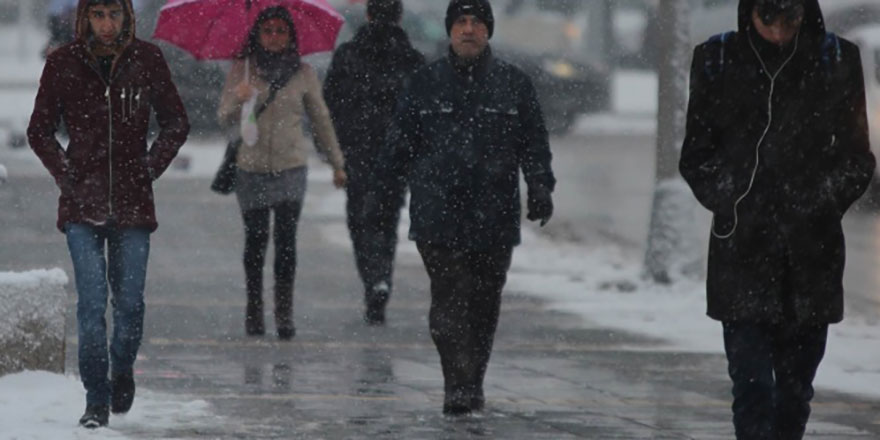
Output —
<point x="104" y="86"/>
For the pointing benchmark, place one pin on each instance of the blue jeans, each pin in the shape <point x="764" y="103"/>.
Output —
<point x="123" y="269"/>
<point x="772" y="367"/>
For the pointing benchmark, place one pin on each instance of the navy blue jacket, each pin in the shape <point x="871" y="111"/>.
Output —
<point x="460" y="138"/>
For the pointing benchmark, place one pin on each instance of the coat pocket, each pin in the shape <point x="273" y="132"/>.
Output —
<point x="500" y="124"/>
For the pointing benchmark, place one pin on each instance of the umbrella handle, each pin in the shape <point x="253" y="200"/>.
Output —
<point x="247" y="70"/>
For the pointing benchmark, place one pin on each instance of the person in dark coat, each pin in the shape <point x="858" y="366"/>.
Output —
<point x="463" y="129"/>
<point x="361" y="89"/>
<point x="777" y="148"/>
<point x="104" y="86"/>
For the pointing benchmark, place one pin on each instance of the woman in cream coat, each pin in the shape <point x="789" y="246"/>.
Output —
<point x="272" y="172"/>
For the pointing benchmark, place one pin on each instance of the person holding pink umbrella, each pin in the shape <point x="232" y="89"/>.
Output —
<point x="271" y="174"/>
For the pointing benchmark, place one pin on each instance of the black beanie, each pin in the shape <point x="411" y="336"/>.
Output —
<point x="478" y="8"/>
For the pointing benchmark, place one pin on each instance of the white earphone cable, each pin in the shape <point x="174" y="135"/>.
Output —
<point x="763" y="135"/>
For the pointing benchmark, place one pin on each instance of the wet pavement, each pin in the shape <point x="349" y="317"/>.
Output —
<point x="551" y="376"/>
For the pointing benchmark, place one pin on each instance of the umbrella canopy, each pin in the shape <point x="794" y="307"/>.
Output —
<point x="218" y="29"/>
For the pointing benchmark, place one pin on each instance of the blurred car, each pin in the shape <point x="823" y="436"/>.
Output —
<point x="566" y="86"/>
<point x="868" y="40"/>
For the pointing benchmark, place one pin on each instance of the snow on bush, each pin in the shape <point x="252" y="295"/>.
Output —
<point x="32" y="308"/>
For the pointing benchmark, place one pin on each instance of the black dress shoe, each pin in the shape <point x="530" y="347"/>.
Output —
<point x="459" y="401"/>
<point x="456" y="410"/>
<point x="478" y="401"/>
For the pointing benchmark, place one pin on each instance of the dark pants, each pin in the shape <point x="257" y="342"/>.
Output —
<point x="772" y="368"/>
<point x="465" y="304"/>
<point x="373" y="213"/>
<point x="256" y="229"/>
<point x="115" y="260"/>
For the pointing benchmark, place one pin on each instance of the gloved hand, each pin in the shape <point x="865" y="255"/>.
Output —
<point x="540" y="204"/>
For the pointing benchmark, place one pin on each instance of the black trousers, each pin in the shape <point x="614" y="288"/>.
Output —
<point x="373" y="212"/>
<point x="772" y="367"/>
<point x="256" y="229"/>
<point x="466" y="290"/>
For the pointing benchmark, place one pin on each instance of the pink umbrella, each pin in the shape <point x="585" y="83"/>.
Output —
<point x="217" y="29"/>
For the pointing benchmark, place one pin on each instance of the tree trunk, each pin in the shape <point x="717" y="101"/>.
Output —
<point x="671" y="248"/>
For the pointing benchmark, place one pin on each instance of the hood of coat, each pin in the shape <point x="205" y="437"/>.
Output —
<point x="381" y="40"/>
<point x="813" y="25"/>
<point x="84" y="31"/>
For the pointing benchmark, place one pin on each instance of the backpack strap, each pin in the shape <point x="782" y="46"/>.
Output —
<point x="832" y="54"/>
<point x="714" y="65"/>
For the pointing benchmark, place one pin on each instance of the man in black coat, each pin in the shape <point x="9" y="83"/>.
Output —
<point x="361" y="90"/>
<point x="463" y="129"/>
<point x="777" y="148"/>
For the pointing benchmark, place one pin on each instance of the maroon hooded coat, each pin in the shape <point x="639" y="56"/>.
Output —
<point x="106" y="172"/>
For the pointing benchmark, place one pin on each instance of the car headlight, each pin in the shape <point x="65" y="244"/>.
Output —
<point x="562" y="69"/>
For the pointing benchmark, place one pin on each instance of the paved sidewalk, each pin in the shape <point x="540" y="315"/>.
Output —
<point x="550" y="378"/>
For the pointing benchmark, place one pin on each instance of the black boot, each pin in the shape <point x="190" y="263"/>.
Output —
<point x="459" y="401"/>
<point x="376" y="299"/>
<point x="253" y="319"/>
<point x="95" y="416"/>
<point x="122" y="388"/>
<point x="284" y="311"/>
<point x="478" y="400"/>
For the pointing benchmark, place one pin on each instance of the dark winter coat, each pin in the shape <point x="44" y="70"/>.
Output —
<point x="461" y="139"/>
<point x="361" y="91"/>
<point x="106" y="172"/>
<point x="785" y="258"/>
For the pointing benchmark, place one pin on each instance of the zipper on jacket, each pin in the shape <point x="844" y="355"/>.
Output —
<point x="107" y="84"/>
<point x="110" y="150"/>
<point x="109" y="97"/>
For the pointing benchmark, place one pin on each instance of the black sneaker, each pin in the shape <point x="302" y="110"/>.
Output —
<point x="95" y="416"/>
<point x="375" y="314"/>
<point x="376" y="300"/>
<point x="122" y="389"/>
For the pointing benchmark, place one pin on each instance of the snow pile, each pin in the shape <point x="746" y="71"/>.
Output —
<point x="32" y="308"/>
<point x="604" y="288"/>
<point x="41" y="405"/>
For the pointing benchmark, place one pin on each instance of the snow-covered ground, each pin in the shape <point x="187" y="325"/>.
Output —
<point x="36" y="405"/>
<point x="599" y="285"/>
